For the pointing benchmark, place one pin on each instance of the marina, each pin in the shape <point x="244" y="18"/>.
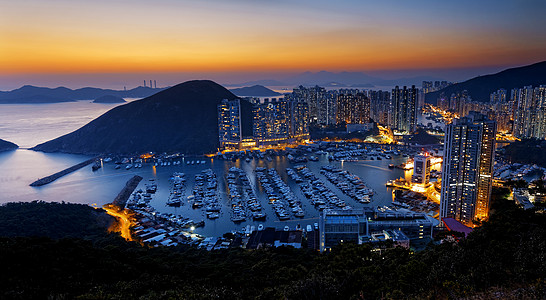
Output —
<point x="103" y="185"/>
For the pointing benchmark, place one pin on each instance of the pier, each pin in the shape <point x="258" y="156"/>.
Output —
<point x="123" y="196"/>
<point x="51" y="178"/>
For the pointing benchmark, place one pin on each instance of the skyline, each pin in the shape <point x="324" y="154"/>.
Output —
<point x="75" y="43"/>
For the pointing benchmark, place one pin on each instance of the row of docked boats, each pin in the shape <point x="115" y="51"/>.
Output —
<point x="243" y="199"/>
<point x="350" y="184"/>
<point x="178" y="189"/>
<point x="279" y="194"/>
<point x="205" y="194"/>
<point x="317" y="192"/>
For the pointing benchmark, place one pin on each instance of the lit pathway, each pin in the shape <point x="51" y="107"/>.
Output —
<point x="124" y="220"/>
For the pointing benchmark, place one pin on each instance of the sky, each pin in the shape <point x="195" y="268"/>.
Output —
<point x="116" y="43"/>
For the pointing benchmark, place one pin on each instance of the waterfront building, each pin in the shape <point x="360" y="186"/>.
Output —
<point x="421" y="169"/>
<point x="359" y="225"/>
<point x="299" y="119"/>
<point x="270" y="121"/>
<point x="469" y="155"/>
<point x="278" y="121"/>
<point x="404" y="108"/>
<point x="229" y="123"/>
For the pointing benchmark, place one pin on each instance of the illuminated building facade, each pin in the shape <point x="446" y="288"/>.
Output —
<point x="320" y="103"/>
<point x="229" y="123"/>
<point x="530" y="112"/>
<point x="380" y="102"/>
<point x="404" y="108"/>
<point x="353" y="108"/>
<point x="280" y="121"/>
<point x="469" y="155"/>
<point x="421" y="169"/>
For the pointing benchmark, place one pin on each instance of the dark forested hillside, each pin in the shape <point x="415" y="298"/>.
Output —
<point x="504" y="259"/>
<point x="53" y="220"/>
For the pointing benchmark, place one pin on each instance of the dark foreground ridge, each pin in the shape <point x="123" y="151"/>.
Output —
<point x="183" y="118"/>
<point x="503" y="259"/>
<point x="130" y="186"/>
<point x="51" y="178"/>
<point x="6" y="146"/>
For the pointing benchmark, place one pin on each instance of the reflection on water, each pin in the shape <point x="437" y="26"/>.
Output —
<point x="21" y="167"/>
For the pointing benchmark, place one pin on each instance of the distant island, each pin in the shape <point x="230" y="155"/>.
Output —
<point x="6" y="146"/>
<point x="109" y="99"/>
<point x="256" y="91"/>
<point x="183" y="118"/>
<point x="480" y="88"/>
<point x="29" y="94"/>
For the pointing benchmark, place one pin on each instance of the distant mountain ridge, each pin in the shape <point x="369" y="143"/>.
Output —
<point x="480" y="88"/>
<point x="109" y="99"/>
<point x="183" y="118"/>
<point x="33" y="94"/>
<point x="5" y="145"/>
<point x="340" y="80"/>
<point x="255" y="90"/>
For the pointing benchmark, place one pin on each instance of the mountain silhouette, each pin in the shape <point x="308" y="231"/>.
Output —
<point x="256" y="90"/>
<point x="183" y="118"/>
<point x="33" y="94"/>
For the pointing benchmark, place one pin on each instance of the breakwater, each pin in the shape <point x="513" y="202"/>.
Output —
<point x="123" y="196"/>
<point x="51" y="178"/>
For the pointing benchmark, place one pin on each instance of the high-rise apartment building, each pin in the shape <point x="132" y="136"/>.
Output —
<point x="380" y="102"/>
<point x="469" y="155"/>
<point x="353" y="108"/>
<point x="229" y="123"/>
<point x="530" y="112"/>
<point x="404" y="108"/>
<point x="421" y="169"/>
<point x="279" y="121"/>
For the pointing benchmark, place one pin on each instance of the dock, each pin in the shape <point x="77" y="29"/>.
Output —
<point x="123" y="196"/>
<point x="51" y="178"/>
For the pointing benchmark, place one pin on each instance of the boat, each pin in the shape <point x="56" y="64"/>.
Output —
<point x="391" y="166"/>
<point x="213" y="216"/>
<point x="128" y="166"/>
<point x="96" y="166"/>
<point x="117" y="167"/>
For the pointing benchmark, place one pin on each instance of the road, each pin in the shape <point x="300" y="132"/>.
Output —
<point x="124" y="220"/>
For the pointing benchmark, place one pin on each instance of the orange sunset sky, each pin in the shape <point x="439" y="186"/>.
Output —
<point x="60" y="39"/>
